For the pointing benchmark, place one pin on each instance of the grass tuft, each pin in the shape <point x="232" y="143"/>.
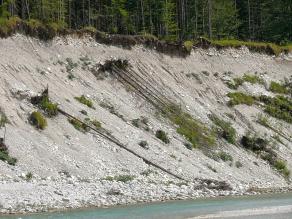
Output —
<point x="240" y="98"/>
<point x="82" y="99"/>
<point x="38" y="120"/>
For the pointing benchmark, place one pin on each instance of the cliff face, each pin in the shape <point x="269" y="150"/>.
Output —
<point x="63" y="157"/>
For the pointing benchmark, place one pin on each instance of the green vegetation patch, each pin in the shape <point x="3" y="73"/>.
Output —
<point x="188" y="45"/>
<point x="225" y="156"/>
<point x="279" y="107"/>
<point x="193" y="130"/>
<point x="82" y="99"/>
<point x="281" y="166"/>
<point x="82" y="127"/>
<point x="237" y="98"/>
<point x="225" y="130"/>
<point x="253" y="79"/>
<point x="269" y="48"/>
<point x="38" y="120"/>
<point x="162" y="135"/>
<point x="3" y="119"/>
<point x="278" y="88"/>
<point x="51" y="109"/>
<point x="120" y="178"/>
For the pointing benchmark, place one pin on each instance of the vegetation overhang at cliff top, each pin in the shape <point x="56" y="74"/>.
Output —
<point x="172" y="20"/>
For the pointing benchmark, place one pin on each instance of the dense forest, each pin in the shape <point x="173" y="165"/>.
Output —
<point x="255" y="20"/>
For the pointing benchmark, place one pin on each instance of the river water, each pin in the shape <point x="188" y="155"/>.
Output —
<point x="277" y="206"/>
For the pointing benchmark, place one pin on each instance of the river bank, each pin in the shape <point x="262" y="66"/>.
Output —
<point x="46" y="195"/>
<point x="256" y="206"/>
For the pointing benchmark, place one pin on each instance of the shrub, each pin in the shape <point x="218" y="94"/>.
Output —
<point x="188" y="45"/>
<point x="254" y="143"/>
<point x="4" y="156"/>
<point x="238" y="164"/>
<point x="225" y="156"/>
<point x="235" y="83"/>
<point x="144" y="144"/>
<point x="38" y="120"/>
<point x="193" y="130"/>
<point x="279" y="107"/>
<point x="240" y="98"/>
<point x="3" y="119"/>
<point x="8" y="26"/>
<point x="162" y="136"/>
<point x="70" y="65"/>
<point x="28" y="176"/>
<point x="50" y="108"/>
<point x="82" y="99"/>
<point x="78" y="125"/>
<point x="124" y="178"/>
<point x="226" y="130"/>
<point x="263" y="120"/>
<point x="141" y="123"/>
<point x="188" y="145"/>
<point x="281" y="166"/>
<point x="278" y="88"/>
<point x="253" y="79"/>
<point x="96" y="124"/>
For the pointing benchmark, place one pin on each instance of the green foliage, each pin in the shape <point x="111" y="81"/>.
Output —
<point x="82" y="99"/>
<point x="188" y="45"/>
<point x="235" y="83"/>
<point x="279" y="107"/>
<point x="50" y="108"/>
<point x="240" y="98"/>
<point x="120" y="178"/>
<point x="225" y="156"/>
<point x="281" y="166"/>
<point x="4" y="156"/>
<point x="193" y="130"/>
<point x="253" y="79"/>
<point x="162" y="136"/>
<point x="270" y="48"/>
<point x="38" y="120"/>
<point x="226" y="131"/>
<point x="238" y="164"/>
<point x="263" y="120"/>
<point x="28" y="176"/>
<point x="254" y="143"/>
<point x="96" y="124"/>
<point x="3" y="119"/>
<point x="144" y="144"/>
<point x="278" y="88"/>
<point x="8" y="26"/>
<point x="82" y="127"/>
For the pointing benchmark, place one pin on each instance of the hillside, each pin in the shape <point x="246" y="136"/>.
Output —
<point x="62" y="167"/>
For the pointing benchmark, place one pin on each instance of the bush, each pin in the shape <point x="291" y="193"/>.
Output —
<point x="263" y="120"/>
<point x="50" y="108"/>
<point x="96" y="124"/>
<point x="4" y="156"/>
<point x="38" y="120"/>
<point x="3" y="119"/>
<point x="162" y="136"/>
<point x="253" y="79"/>
<point x="279" y="107"/>
<point x="254" y="143"/>
<point x="281" y="166"/>
<point x="238" y="164"/>
<point x="188" y="45"/>
<point x="8" y="26"/>
<point x="78" y="125"/>
<point x="278" y="88"/>
<point x="141" y="123"/>
<point x="235" y="83"/>
<point x="225" y="156"/>
<point x="240" y="98"/>
<point x="226" y="130"/>
<point x="144" y="144"/>
<point x="193" y="130"/>
<point x="120" y="178"/>
<point x="82" y="99"/>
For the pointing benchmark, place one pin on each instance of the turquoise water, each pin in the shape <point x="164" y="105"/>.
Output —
<point x="178" y="209"/>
